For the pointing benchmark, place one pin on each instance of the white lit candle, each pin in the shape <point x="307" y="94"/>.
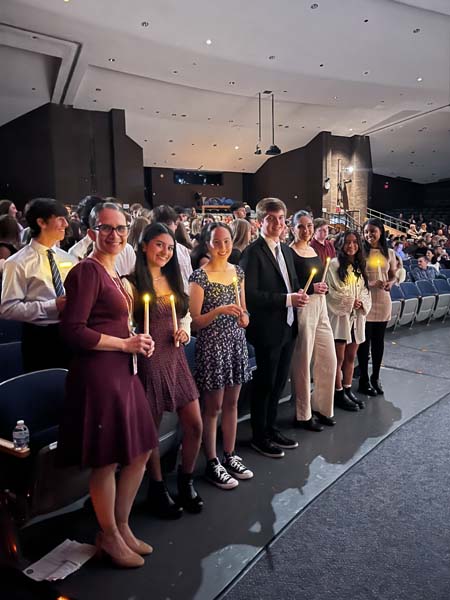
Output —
<point x="236" y="291"/>
<point x="380" y="278"/>
<point x="311" y="277"/>
<point x="174" y="317"/>
<point x="325" y="271"/>
<point x="146" y="299"/>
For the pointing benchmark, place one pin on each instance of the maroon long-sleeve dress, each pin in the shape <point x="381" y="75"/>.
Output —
<point x="106" y="416"/>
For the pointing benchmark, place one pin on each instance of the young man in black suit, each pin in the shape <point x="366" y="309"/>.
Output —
<point x="272" y="298"/>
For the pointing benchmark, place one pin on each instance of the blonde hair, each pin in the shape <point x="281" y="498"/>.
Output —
<point x="241" y="229"/>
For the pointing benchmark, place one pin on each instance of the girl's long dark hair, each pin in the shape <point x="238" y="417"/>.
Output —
<point x="359" y="261"/>
<point x="143" y="280"/>
<point x="382" y="241"/>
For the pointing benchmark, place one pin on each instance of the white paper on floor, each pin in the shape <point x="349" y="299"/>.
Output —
<point x="60" y="562"/>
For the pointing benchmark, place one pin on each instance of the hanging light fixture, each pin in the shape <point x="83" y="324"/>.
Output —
<point x="273" y="150"/>
<point x="258" y="145"/>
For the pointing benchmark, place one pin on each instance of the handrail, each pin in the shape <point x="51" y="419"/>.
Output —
<point x="351" y="219"/>
<point x="388" y="220"/>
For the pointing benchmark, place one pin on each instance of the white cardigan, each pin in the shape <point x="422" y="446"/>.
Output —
<point x="340" y="306"/>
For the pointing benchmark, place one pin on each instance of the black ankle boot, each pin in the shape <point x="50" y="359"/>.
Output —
<point x="365" y="388"/>
<point x="188" y="498"/>
<point x="376" y="384"/>
<point x="160" y="503"/>
<point x="351" y="396"/>
<point x="341" y="401"/>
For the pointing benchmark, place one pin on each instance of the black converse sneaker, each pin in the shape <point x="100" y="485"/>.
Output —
<point x="218" y="475"/>
<point x="235" y="467"/>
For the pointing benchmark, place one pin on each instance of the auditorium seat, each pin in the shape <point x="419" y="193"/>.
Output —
<point x="411" y="303"/>
<point x="397" y="299"/>
<point x="445" y="273"/>
<point x="427" y="302"/>
<point x="10" y="360"/>
<point x="37" y="486"/>
<point x="443" y="300"/>
<point x="10" y="331"/>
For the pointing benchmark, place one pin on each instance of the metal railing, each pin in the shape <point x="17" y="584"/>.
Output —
<point x="388" y="220"/>
<point x="350" y="219"/>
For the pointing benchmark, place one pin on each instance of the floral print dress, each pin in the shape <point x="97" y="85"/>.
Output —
<point x="221" y="356"/>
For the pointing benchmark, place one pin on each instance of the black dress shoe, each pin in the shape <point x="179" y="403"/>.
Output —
<point x="366" y="389"/>
<point x="351" y="396"/>
<point x="311" y="425"/>
<point x="328" y="421"/>
<point x="160" y="503"/>
<point x="341" y="401"/>
<point x="280" y="440"/>
<point x="188" y="498"/>
<point x="267" y="448"/>
<point x="376" y="384"/>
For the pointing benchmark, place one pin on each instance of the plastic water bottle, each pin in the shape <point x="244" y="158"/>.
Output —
<point x="21" y="436"/>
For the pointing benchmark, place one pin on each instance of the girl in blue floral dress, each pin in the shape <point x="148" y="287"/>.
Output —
<point x="219" y="315"/>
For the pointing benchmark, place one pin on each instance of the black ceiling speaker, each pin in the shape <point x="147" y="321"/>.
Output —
<point x="258" y="145"/>
<point x="273" y="150"/>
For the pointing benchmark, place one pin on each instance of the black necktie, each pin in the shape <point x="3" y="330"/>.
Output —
<point x="56" y="275"/>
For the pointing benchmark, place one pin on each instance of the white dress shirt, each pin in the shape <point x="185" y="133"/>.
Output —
<point x="272" y="244"/>
<point x="184" y="260"/>
<point x="125" y="261"/>
<point x="28" y="293"/>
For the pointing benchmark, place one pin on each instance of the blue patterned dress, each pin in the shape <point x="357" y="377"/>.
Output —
<point x="221" y="357"/>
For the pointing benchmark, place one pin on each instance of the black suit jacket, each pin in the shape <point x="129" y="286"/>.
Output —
<point x="266" y="292"/>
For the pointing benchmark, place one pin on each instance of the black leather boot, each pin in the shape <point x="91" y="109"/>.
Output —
<point x="365" y="388"/>
<point x="376" y="384"/>
<point x="160" y="502"/>
<point x="188" y="498"/>
<point x="351" y="396"/>
<point x="341" y="401"/>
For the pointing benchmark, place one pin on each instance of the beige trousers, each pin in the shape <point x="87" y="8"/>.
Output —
<point x="314" y="349"/>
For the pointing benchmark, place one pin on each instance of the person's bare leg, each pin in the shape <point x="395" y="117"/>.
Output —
<point x="349" y="363"/>
<point x="127" y="486"/>
<point x="229" y="417"/>
<point x="212" y="401"/>
<point x="191" y="425"/>
<point x="340" y="353"/>
<point x="102" y="486"/>
<point x="154" y="462"/>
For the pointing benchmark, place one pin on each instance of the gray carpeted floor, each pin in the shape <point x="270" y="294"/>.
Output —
<point x="382" y="531"/>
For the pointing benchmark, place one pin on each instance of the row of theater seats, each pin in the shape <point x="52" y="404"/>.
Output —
<point x="36" y="485"/>
<point x="422" y="301"/>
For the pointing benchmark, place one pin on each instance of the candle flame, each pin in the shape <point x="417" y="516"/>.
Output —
<point x="146" y="298"/>
<point x="234" y="279"/>
<point x="328" y="259"/>
<point x="65" y="265"/>
<point x="172" y="298"/>
<point x="313" y="271"/>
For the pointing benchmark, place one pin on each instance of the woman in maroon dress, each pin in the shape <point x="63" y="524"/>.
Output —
<point x="106" y="420"/>
<point x="165" y="376"/>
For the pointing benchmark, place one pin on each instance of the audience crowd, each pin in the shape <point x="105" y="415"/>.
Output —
<point x="112" y="295"/>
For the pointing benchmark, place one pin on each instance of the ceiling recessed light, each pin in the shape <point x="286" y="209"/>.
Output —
<point x="366" y="72"/>
<point x="145" y="24"/>
<point x="33" y="89"/>
<point x="335" y="97"/>
<point x="286" y="126"/>
<point x="392" y="150"/>
<point x="184" y="115"/>
<point x="111" y="59"/>
<point x="363" y="122"/>
<point x="142" y="108"/>
<point x="284" y="91"/>
<point x="94" y="100"/>
<point x="174" y="114"/>
<point x="321" y="65"/>
<point x="145" y="140"/>
<point x="208" y="42"/>
<point x="236" y="147"/>
<point x="350" y="129"/>
<point x="267" y="91"/>
<point x="174" y="72"/>
<point x="192" y="144"/>
<point x="413" y="151"/>
<point x="416" y="30"/>
<point x="98" y="89"/>
<point x="157" y="112"/>
<point x="381" y="101"/>
<point x="230" y="121"/>
<point x="272" y="57"/>
<point x="314" y="6"/>
<point x="173" y="154"/>
<point x="194" y="64"/>
<point x="412" y="162"/>
<point x="303" y="127"/>
<point x="170" y="141"/>
<point x="209" y="118"/>
<point x="231" y="82"/>
<point x="366" y="20"/>
<point x="214" y="145"/>
<point x="66" y="1"/>
<point x="429" y="104"/>
<point x="419" y="79"/>
<point x="34" y="37"/>
<point x="240" y="158"/>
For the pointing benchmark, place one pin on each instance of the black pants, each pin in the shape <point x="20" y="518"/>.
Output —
<point x="42" y="348"/>
<point x="273" y="364"/>
<point x="375" y="344"/>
